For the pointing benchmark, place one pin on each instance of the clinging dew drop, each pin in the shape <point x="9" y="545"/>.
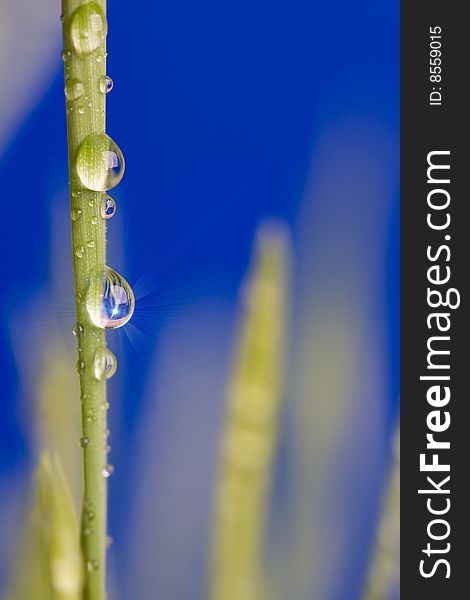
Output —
<point x="100" y="163"/>
<point x="88" y="28"/>
<point x="108" y="207"/>
<point x="110" y="299"/>
<point x="106" y="84"/>
<point x="105" y="364"/>
<point x="74" y="89"/>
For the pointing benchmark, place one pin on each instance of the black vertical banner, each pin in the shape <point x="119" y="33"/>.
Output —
<point x="435" y="305"/>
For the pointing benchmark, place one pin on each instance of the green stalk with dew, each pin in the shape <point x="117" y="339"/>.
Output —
<point x="104" y="300"/>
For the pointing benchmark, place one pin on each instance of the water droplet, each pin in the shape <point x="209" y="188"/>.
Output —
<point x="80" y="365"/>
<point x="81" y="110"/>
<point x="90" y="515"/>
<point x="99" y="58"/>
<point x="110" y="300"/>
<point x="106" y="84"/>
<point x="74" y="89"/>
<point x="76" y="213"/>
<point x="75" y="194"/>
<point x="77" y="329"/>
<point x="88" y="28"/>
<point x="86" y="531"/>
<point x="107" y="471"/>
<point x="105" y="364"/>
<point x="79" y="252"/>
<point x="91" y="202"/>
<point x="66" y="55"/>
<point x="100" y="163"/>
<point x="94" y="220"/>
<point x="108" y="207"/>
<point x="92" y="565"/>
<point x="91" y="243"/>
<point x="84" y="441"/>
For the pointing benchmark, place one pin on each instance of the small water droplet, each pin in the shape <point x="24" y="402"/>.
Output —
<point x="94" y="220"/>
<point x="81" y="110"/>
<point x="90" y="515"/>
<point x="106" y="84"/>
<point x="107" y="471"/>
<point x="75" y="194"/>
<point x="99" y="58"/>
<point x="91" y="243"/>
<point x="110" y="300"/>
<point x="74" y="89"/>
<point x="108" y="207"/>
<point x="81" y="365"/>
<point x="92" y="565"/>
<point x="88" y="28"/>
<point x="105" y="364"/>
<point x="84" y="441"/>
<point x="100" y="163"/>
<point x="86" y="531"/>
<point x="66" y="55"/>
<point x="79" y="252"/>
<point x="91" y="202"/>
<point x="76" y="213"/>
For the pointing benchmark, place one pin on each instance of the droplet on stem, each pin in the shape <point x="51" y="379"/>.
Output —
<point x="100" y="163"/>
<point x="88" y="28"/>
<point x="105" y="364"/>
<point x="107" y="471"/>
<point x="108" y="207"/>
<point x="106" y="84"/>
<point x="110" y="300"/>
<point x="74" y="89"/>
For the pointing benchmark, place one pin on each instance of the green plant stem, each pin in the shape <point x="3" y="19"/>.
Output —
<point x="85" y="116"/>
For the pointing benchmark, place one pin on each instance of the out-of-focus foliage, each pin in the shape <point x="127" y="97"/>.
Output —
<point x="49" y="564"/>
<point x="384" y="576"/>
<point x="250" y="431"/>
<point x="58" y="412"/>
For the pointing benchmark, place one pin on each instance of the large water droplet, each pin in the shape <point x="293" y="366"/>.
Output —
<point x="108" y="207"/>
<point x="100" y="163"/>
<point x="106" y="84"/>
<point x="105" y="364"/>
<point x="110" y="300"/>
<point x="88" y="28"/>
<point x="74" y="89"/>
